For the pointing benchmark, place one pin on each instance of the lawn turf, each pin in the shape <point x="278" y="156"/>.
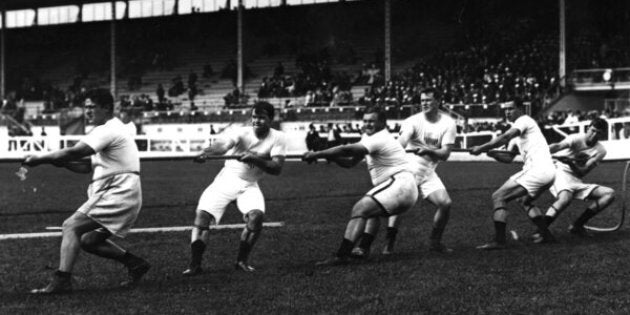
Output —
<point x="574" y="276"/>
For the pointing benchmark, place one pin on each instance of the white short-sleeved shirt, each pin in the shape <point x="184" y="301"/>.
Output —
<point x="424" y="134"/>
<point x="116" y="151"/>
<point x="386" y="156"/>
<point x="131" y="128"/>
<point x="245" y="140"/>
<point x="532" y="144"/>
<point x="579" y="150"/>
<point x="513" y="144"/>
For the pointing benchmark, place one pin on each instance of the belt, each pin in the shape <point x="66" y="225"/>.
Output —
<point x="114" y="174"/>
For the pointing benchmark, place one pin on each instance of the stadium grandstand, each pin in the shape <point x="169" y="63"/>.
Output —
<point x="178" y="66"/>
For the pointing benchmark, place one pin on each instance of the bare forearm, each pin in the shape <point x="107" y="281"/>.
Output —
<point x="81" y="166"/>
<point x="268" y="166"/>
<point x="347" y="162"/>
<point x="219" y="146"/>
<point x="438" y="154"/>
<point x="494" y="143"/>
<point x="336" y="152"/>
<point x="58" y="158"/>
<point x="555" y="147"/>
<point x="585" y="169"/>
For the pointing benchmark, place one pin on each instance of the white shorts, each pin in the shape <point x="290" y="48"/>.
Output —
<point x="227" y="188"/>
<point x="114" y="202"/>
<point x="567" y="181"/>
<point x="397" y="194"/>
<point x="535" y="180"/>
<point x="429" y="184"/>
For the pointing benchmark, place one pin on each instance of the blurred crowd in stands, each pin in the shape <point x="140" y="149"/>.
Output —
<point x="315" y="81"/>
<point x="477" y="75"/>
<point x="574" y="116"/>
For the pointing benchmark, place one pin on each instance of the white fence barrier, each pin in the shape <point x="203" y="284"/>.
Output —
<point x="184" y="146"/>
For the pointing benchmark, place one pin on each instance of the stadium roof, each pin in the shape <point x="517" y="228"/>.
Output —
<point x="25" y="4"/>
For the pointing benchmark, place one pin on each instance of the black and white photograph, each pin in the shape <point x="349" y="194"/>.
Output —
<point x="314" y="156"/>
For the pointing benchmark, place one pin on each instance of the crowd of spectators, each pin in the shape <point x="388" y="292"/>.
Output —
<point x="53" y="97"/>
<point x="236" y="99"/>
<point x="314" y="80"/>
<point x="573" y="116"/>
<point x="230" y="71"/>
<point x="477" y="75"/>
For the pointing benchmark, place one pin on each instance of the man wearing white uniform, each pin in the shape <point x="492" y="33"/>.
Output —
<point x="537" y="175"/>
<point x="578" y="154"/>
<point x="394" y="189"/>
<point x="114" y="196"/>
<point x="431" y="134"/>
<point x="261" y="150"/>
<point x="128" y="124"/>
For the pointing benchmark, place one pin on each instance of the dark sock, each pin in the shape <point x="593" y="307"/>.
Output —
<point x="196" y="252"/>
<point x="499" y="229"/>
<point x="62" y="274"/>
<point x="391" y="234"/>
<point x="129" y="259"/>
<point x="549" y="219"/>
<point x="436" y="234"/>
<point x="586" y="215"/>
<point x="243" y="251"/>
<point x="541" y="224"/>
<point x="345" y="248"/>
<point x="366" y="241"/>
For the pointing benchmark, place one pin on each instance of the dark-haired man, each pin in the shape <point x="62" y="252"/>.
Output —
<point x="525" y="186"/>
<point x="431" y="133"/>
<point x="394" y="189"/>
<point x="114" y="196"/>
<point x="261" y="150"/>
<point x="577" y="155"/>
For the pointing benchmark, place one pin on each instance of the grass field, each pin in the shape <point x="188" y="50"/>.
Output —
<point x="576" y="275"/>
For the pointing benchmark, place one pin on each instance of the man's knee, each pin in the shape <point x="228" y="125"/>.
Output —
<point x="524" y="201"/>
<point x="366" y="208"/>
<point x="203" y="219"/>
<point x="67" y="224"/>
<point x="445" y="204"/>
<point x="609" y="193"/>
<point x="564" y="198"/>
<point x="90" y="241"/>
<point x="70" y="225"/>
<point x="498" y="197"/>
<point x="440" y="199"/>
<point x="255" y="220"/>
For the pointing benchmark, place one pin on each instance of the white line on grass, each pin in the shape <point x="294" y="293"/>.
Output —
<point x="139" y="230"/>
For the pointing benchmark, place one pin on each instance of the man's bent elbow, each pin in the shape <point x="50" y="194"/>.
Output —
<point x="445" y="156"/>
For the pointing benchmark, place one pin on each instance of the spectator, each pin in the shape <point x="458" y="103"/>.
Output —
<point x="177" y="88"/>
<point x="312" y="139"/>
<point x="192" y="78"/>
<point x="572" y="118"/>
<point x="624" y="133"/>
<point x="334" y="136"/>
<point x="160" y="93"/>
<point x="309" y="99"/>
<point x="278" y="70"/>
<point x="207" y="71"/>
